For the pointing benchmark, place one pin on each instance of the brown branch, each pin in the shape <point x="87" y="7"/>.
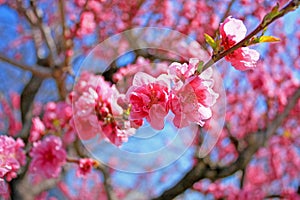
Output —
<point x="27" y="97"/>
<point x="243" y="175"/>
<point x="107" y="183"/>
<point x="61" y="6"/>
<point x="291" y="6"/>
<point x="30" y="191"/>
<point x="35" y="69"/>
<point x="255" y="140"/>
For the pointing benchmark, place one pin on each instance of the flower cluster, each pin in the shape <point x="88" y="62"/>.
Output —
<point x="57" y="120"/>
<point x="188" y="96"/>
<point x="233" y="31"/>
<point x="12" y="157"/>
<point x="100" y="110"/>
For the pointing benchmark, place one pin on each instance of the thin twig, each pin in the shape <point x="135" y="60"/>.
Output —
<point x="229" y="6"/>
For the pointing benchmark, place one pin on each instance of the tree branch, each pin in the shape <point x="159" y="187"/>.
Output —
<point x="107" y="183"/>
<point x="35" y="69"/>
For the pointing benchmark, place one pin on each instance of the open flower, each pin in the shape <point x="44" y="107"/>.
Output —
<point x="48" y="156"/>
<point x="85" y="166"/>
<point x="191" y="103"/>
<point x="12" y="157"/>
<point x="148" y="97"/>
<point x="192" y="97"/>
<point x="233" y="31"/>
<point x="97" y="110"/>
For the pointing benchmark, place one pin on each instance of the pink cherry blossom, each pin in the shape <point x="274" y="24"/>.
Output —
<point x="48" y="157"/>
<point x="37" y="129"/>
<point x="57" y="120"/>
<point x="85" y="166"/>
<point x="192" y="102"/>
<point x="97" y="110"/>
<point x="233" y="31"/>
<point x="12" y="157"/>
<point x="192" y="96"/>
<point x="243" y="58"/>
<point x="183" y="71"/>
<point x="148" y="97"/>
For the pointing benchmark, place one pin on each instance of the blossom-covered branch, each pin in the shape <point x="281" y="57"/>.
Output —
<point x="269" y="18"/>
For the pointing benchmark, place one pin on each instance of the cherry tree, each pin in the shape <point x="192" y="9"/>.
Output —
<point x="222" y="75"/>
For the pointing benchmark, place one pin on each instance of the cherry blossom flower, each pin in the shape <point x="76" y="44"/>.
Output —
<point x="192" y="96"/>
<point x="233" y="31"/>
<point x="148" y="97"/>
<point x="96" y="110"/>
<point x="48" y="156"/>
<point x="37" y="129"/>
<point x="57" y="120"/>
<point x="181" y="71"/>
<point x="12" y="157"/>
<point x="192" y="102"/>
<point x="85" y="166"/>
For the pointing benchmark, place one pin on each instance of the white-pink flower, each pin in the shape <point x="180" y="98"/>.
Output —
<point x="48" y="157"/>
<point x="12" y="157"/>
<point x="233" y="31"/>
<point x="243" y="58"/>
<point x="192" y="96"/>
<point x="96" y="110"/>
<point x="192" y="102"/>
<point x="148" y="97"/>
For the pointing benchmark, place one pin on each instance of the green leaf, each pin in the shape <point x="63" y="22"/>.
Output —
<point x="210" y="41"/>
<point x="268" y="39"/>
